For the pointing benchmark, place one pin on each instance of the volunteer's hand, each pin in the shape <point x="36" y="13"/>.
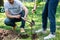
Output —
<point x="17" y="16"/>
<point x="25" y="18"/>
<point x="33" y="10"/>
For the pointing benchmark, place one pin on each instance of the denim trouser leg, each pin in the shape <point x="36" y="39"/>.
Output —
<point x="11" y="22"/>
<point x="22" y="21"/>
<point x="44" y="16"/>
<point x="51" y="14"/>
<point x="22" y="24"/>
<point x="50" y="11"/>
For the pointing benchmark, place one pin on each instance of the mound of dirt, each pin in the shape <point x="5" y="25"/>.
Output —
<point x="8" y="35"/>
<point x="11" y="35"/>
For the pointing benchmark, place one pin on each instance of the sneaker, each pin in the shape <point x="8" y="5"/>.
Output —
<point x="22" y="30"/>
<point x="42" y="31"/>
<point x="49" y="36"/>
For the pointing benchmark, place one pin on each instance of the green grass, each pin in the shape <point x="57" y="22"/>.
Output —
<point x="38" y="20"/>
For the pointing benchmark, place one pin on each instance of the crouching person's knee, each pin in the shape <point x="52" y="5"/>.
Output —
<point x="7" y="22"/>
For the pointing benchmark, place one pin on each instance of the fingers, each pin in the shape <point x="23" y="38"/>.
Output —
<point x="17" y="16"/>
<point x="33" y="10"/>
<point x="24" y="18"/>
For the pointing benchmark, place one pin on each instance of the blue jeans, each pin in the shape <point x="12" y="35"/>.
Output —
<point x="11" y="21"/>
<point x="50" y="12"/>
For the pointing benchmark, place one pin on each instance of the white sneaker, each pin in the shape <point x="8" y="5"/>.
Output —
<point x="49" y="36"/>
<point x="41" y="30"/>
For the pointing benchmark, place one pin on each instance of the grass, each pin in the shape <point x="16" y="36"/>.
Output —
<point x="38" y="20"/>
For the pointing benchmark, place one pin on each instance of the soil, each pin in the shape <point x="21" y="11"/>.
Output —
<point x="11" y="35"/>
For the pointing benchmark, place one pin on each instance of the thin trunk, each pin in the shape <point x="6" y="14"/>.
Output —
<point x="1" y="2"/>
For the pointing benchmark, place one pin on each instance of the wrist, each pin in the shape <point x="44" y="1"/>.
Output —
<point x="34" y="9"/>
<point x="14" y="16"/>
<point x="25" y="16"/>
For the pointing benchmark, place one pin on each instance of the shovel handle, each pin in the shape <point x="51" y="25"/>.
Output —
<point x="26" y="20"/>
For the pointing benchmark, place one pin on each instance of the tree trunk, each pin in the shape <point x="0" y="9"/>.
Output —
<point x="1" y="2"/>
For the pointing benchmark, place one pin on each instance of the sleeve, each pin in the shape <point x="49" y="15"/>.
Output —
<point x="38" y="1"/>
<point x="5" y="7"/>
<point x="20" y="4"/>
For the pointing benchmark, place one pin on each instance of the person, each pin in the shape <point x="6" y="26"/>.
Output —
<point x="14" y="11"/>
<point x="48" y="12"/>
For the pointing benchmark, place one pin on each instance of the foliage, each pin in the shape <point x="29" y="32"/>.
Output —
<point x="38" y="20"/>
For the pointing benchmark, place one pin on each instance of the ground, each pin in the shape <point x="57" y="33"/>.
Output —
<point x="38" y="20"/>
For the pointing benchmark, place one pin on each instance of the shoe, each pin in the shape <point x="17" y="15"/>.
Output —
<point x="49" y="37"/>
<point x="13" y="28"/>
<point x="22" y="30"/>
<point x="40" y="31"/>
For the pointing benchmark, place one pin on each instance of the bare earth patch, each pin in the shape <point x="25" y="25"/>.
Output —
<point x="8" y="35"/>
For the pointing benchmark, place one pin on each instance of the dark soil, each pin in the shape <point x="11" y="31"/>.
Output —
<point x="11" y="35"/>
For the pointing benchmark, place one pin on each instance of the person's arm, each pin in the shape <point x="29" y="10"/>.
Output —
<point x="36" y="3"/>
<point x="8" y="15"/>
<point x="11" y="16"/>
<point x="24" y="8"/>
<point x="26" y="11"/>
